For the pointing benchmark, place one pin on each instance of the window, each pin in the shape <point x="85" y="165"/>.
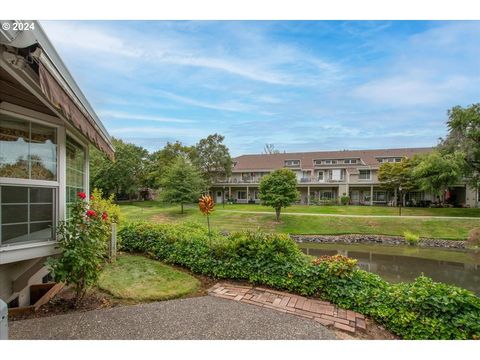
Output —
<point x="75" y="171"/>
<point x="379" y="196"/>
<point x="320" y="176"/>
<point x="350" y="161"/>
<point x="27" y="150"/>
<point x="364" y="174"/>
<point x="336" y="174"/>
<point x="241" y="195"/>
<point x="27" y="214"/>
<point x="292" y="162"/>
<point x="330" y="162"/>
<point x="326" y="195"/>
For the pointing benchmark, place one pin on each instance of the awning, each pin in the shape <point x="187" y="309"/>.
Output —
<point x="81" y="120"/>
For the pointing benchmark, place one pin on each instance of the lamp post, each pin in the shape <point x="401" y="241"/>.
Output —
<point x="401" y="201"/>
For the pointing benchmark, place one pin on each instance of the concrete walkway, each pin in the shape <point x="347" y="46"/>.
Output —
<point x="356" y="216"/>
<point x="198" y="318"/>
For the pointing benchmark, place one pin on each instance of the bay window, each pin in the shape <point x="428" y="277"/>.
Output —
<point x="75" y="163"/>
<point x="28" y="181"/>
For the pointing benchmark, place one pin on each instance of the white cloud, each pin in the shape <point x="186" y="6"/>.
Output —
<point x="406" y="90"/>
<point x="136" y="116"/>
<point x="266" y="62"/>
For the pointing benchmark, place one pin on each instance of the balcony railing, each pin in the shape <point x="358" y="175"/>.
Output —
<point x="304" y="180"/>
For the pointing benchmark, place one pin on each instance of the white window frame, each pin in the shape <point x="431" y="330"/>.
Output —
<point x="28" y="115"/>
<point x="369" y="178"/>
<point x="238" y="194"/>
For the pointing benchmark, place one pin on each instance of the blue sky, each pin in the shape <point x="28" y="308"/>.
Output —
<point x="303" y="86"/>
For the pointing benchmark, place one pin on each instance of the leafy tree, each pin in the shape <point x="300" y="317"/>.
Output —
<point x="212" y="157"/>
<point x="435" y="172"/>
<point x="464" y="137"/>
<point x="181" y="183"/>
<point x="159" y="161"/>
<point x="398" y="175"/>
<point x="278" y="190"/>
<point x="123" y="176"/>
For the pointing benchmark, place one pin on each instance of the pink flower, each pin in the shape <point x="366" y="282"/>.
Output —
<point x="81" y="195"/>
<point x="91" y="213"/>
<point x="104" y="216"/>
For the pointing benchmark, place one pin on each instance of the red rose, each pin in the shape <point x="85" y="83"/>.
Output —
<point x="81" y="195"/>
<point x="91" y="213"/>
<point x="104" y="216"/>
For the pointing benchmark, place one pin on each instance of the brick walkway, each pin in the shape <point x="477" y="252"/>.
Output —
<point x="321" y="311"/>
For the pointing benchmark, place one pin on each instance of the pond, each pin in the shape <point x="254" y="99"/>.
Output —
<point x="405" y="263"/>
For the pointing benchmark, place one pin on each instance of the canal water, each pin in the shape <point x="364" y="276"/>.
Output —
<point x="405" y="263"/>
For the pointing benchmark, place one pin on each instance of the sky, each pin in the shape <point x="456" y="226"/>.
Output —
<point x="300" y="85"/>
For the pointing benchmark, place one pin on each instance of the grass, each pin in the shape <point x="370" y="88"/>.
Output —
<point x="362" y="210"/>
<point x="451" y="229"/>
<point x="138" y="278"/>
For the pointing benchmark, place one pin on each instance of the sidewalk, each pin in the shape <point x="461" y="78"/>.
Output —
<point x="200" y="318"/>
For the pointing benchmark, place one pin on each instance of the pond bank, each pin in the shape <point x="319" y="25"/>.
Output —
<point x="377" y="239"/>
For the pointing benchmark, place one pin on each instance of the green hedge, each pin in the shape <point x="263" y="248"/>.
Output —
<point x="422" y="309"/>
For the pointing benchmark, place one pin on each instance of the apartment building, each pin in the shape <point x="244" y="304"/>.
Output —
<point x="325" y="176"/>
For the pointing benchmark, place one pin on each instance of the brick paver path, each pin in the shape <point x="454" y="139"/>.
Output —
<point x="321" y="311"/>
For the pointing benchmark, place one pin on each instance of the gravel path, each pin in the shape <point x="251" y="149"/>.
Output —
<point x="198" y="318"/>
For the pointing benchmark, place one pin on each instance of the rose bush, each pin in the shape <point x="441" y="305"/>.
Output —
<point x="82" y="240"/>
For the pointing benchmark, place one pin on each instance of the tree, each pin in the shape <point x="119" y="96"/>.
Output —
<point x="278" y="190"/>
<point x="270" y="149"/>
<point x="123" y="176"/>
<point x="435" y="172"/>
<point x="212" y="157"/>
<point x="182" y="183"/>
<point x="398" y="175"/>
<point x="159" y="161"/>
<point x="464" y="137"/>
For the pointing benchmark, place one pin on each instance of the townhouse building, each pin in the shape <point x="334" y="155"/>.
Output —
<point x="326" y="176"/>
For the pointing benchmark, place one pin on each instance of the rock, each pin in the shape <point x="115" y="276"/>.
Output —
<point x="377" y="239"/>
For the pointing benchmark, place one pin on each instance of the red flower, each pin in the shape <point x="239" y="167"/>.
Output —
<point x="81" y="195"/>
<point x="104" y="216"/>
<point x="91" y="213"/>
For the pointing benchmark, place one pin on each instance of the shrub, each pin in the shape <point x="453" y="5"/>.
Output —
<point x="345" y="200"/>
<point x="422" y="309"/>
<point x="473" y="239"/>
<point x="82" y="240"/>
<point x="411" y="238"/>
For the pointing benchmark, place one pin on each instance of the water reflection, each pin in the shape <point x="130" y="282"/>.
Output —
<point x="463" y="270"/>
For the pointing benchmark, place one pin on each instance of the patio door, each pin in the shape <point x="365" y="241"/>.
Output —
<point x="355" y="196"/>
<point x="218" y="197"/>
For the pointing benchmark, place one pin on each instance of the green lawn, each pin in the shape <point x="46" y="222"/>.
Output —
<point x="455" y="229"/>
<point x="138" y="278"/>
<point x="362" y="210"/>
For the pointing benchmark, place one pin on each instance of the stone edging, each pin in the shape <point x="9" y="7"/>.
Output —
<point x="377" y="239"/>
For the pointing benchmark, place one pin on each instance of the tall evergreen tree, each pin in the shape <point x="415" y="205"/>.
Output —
<point x="182" y="183"/>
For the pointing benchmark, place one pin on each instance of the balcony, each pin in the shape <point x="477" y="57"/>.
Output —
<point x="238" y="181"/>
<point x="312" y="180"/>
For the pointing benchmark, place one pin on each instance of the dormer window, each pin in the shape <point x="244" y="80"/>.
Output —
<point x="390" y="160"/>
<point x="350" y="161"/>
<point x="292" y="163"/>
